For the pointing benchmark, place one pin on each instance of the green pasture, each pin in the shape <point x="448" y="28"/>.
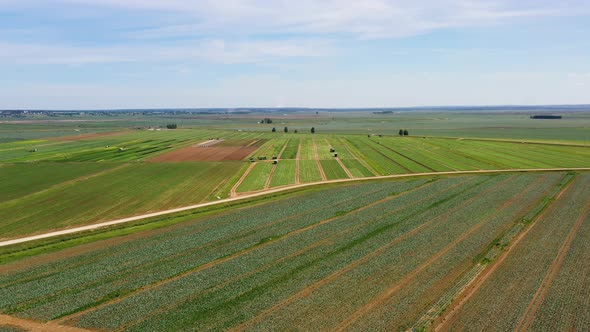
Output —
<point x="119" y="191"/>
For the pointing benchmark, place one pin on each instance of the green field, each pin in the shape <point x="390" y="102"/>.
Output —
<point x="379" y="254"/>
<point x="308" y="171"/>
<point x="257" y="177"/>
<point x="120" y="190"/>
<point x="551" y="279"/>
<point x="284" y="174"/>
<point x="343" y="257"/>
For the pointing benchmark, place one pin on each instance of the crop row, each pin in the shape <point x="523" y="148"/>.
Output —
<point x="512" y="296"/>
<point x="312" y="260"/>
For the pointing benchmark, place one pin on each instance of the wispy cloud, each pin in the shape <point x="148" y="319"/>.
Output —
<point x="218" y="51"/>
<point x="366" y="19"/>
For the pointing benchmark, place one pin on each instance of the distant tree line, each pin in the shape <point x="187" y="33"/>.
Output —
<point x="171" y="126"/>
<point x="545" y="116"/>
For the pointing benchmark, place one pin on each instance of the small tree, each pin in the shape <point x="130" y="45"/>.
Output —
<point x="401" y="132"/>
<point x="312" y="130"/>
<point x="405" y="132"/>
<point x="171" y="126"/>
<point x="286" y="129"/>
<point x="274" y="129"/>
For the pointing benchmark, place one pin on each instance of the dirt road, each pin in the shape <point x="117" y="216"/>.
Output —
<point x="257" y="194"/>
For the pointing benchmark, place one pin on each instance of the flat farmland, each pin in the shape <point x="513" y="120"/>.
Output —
<point x="544" y="280"/>
<point x="22" y="179"/>
<point x="257" y="178"/>
<point x="128" y="146"/>
<point x="308" y="171"/>
<point x="291" y="149"/>
<point x="284" y="174"/>
<point x="117" y="191"/>
<point x="232" y="150"/>
<point x="340" y="258"/>
<point x="333" y="170"/>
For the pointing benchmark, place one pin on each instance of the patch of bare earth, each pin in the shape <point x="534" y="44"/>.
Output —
<point x="206" y="153"/>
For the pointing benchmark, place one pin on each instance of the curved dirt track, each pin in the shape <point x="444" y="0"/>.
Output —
<point x="262" y="193"/>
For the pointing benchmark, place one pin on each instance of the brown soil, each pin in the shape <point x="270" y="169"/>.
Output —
<point x="210" y="153"/>
<point x="29" y="325"/>
<point x="85" y="136"/>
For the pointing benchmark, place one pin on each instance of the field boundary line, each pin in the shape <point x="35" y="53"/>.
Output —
<point x="242" y="178"/>
<point x="404" y="156"/>
<point x="533" y="306"/>
<point x="31" y="325"/>
<point x="408" y="277"/>
<point x="317" y="160"/>
<point x="450" y="316"/>
<point x="350" y="176"/>
<point x="467" y="278"/>
<point x="297" y="166"/>
<point x="270" y="176"/>
<point x="280" y="154"/>
<point x="356" y="156"/>
<point x="271" y="191"/>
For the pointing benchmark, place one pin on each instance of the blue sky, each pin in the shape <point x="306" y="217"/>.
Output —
<point x="91" y="54"/>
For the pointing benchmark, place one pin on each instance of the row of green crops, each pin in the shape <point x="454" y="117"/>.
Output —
<point x="505" y="299"/>
<point x="364" y="256"/>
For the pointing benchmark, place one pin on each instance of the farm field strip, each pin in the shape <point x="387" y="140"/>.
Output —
<point x="332" y="169"/>
<point x="118" y="192"/>
<point x="341" y="149"/>
<point x="256" y="178"/>
<point x="20" y="180"/>
<point x="220" y="265"/>
<point x="313" y="298"/>
<point x="412" y="154"/>
<point x="403" y="158"/>
<point x="356" y="168"/>
<point x="274" y="251"/>
<point x="547" y="191"/>
<point x="531" y="260"/>
<point x="356" y="156"/>
<point x="443" y="261"/>
<point x="379" y="162"/>
<point x="284" y="173"/>
<point x="307" y="149"/>
<point x="291" y="149"/>
<point x="315" y="222"/>
<point x="309" y="172"/>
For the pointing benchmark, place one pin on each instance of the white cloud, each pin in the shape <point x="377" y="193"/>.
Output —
<point x="218" y="51"/>
<point x="361" y="19"/>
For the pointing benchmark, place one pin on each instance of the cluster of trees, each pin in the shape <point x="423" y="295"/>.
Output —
<point x="171" y="126"/>
<point x="266" y="120"/>
<point x="286" y="130"/>
<point x="403" y="132"/>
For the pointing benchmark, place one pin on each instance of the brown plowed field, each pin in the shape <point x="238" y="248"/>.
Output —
<point x="213" y="153"/>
